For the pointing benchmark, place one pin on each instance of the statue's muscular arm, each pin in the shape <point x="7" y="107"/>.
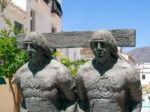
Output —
<point x="80" y="85"/>
<point x="66" y="83"/>
<point x="17" y="77"/>
<point x="83" y="100"/>
<point x="134" y="89"/>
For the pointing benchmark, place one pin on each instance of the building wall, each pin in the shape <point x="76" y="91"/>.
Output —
<point x="72" y="53"/>
<point x="42" y="16"/>
<point x="144" y="69"/>
<point x="13" y="14"/>
<point x="6" y="99"/>
<point x="56" y="23"/>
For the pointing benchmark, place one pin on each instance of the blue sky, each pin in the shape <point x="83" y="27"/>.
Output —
<point x="91" y="15"/>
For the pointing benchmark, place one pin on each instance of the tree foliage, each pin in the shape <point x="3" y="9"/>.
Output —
<point x="72" y="65"/>
<point x="11" y="57"/>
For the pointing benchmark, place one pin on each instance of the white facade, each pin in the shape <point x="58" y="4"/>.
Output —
<point x="42" y="16"/>
<point x="72" y="53"/>
<point x="20" y="11"/>
<point x="14" y="13"/>
<point x="144" y="70"/>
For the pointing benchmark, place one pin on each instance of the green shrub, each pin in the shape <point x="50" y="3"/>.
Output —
<point x="11" y="57"/>
<point x="72" y="65"/>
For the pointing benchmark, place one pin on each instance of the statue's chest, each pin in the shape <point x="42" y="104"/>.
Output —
<point x="106" y="86"/>
<point x="43" y="83"/>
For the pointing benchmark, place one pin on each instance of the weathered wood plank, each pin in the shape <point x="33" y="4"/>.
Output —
<point x="124" y="37"/>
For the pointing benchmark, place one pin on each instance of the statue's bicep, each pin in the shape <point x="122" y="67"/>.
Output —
<point x="80" y="87"/>
<point x="66" y="84"/>
<point x="134" y="85"/>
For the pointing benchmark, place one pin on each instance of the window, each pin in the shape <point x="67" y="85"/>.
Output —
<point x="54" y="29"/>
<point x="56" y="7"/>
<point x="18" y="26"/>
<point x="32" y="21"/>
<point x="143" y="76"/>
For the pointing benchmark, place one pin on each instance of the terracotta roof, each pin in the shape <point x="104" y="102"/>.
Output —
<point x="86" y="53"/>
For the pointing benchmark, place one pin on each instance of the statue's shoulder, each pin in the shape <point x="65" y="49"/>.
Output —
<point x="85" y="68"/>
<point x="124" y="64"/>
<point x="62" y="71"/>
<point x="130" y="70"/>
<point x="21" y="70"/>
<point x="57" y="65"/>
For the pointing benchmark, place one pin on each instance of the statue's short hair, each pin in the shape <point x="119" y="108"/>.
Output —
<point x="40" y="41"/>
<point x="108" y="38"/>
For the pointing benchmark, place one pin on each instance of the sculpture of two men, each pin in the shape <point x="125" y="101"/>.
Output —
<point x="106" y="83"/>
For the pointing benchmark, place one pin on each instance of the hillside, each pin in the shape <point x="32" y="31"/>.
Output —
<point x="140" y="55"/>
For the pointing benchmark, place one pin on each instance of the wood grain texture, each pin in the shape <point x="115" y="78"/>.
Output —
<point x="124" y="38"/>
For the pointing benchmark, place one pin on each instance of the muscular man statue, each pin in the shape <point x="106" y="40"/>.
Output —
<point x="45" y="84"/>
<point x="107" y="82"/>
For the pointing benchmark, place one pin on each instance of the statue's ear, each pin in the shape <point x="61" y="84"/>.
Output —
<point x="114" y="51"/>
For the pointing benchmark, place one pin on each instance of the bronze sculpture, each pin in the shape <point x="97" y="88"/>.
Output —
<point x="45" y="84"/>
<point x="107" y="83"/>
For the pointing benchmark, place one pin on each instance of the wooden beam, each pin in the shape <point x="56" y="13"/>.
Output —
<point x="124" y="37"/>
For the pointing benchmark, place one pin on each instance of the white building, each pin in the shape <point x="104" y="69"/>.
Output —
<point x="72" y="53"/>
<point x="31" y="15"/>
<point x="144" y="70"/>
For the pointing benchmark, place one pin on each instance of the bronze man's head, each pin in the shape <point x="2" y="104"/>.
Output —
<point x="35" y="42"/>
<point x="103" y="44"/>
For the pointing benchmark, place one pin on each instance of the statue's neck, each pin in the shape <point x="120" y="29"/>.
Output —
<point x="103" y="65"/>
<point x="38" y="65"/>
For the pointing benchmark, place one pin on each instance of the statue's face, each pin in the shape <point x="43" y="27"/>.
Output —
<point x="31" y="50"/>
<point x="100" y="49"/>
